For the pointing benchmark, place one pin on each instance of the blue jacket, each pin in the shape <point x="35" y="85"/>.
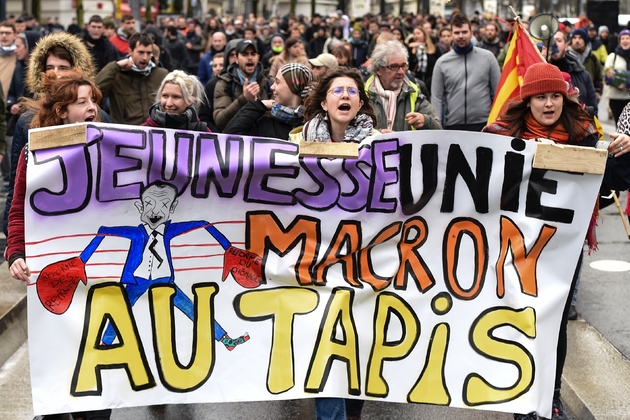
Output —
<point x="204" y="73"/>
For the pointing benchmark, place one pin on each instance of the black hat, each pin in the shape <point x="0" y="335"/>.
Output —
<point x="591" y="27"/>
<point x="242" y="46"/>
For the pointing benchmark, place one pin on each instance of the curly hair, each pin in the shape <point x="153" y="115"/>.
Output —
<point x="59" y="91"/>
<point x="313" y="103"/>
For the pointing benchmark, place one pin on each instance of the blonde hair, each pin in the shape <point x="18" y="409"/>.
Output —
<point x="192" y="89"/>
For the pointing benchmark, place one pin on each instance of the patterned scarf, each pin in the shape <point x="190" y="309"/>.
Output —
<point x="188" y="120"/>
<point x="318" y="129"/>
<point x="389" y="101"/>
<point x="291" y="116"/>
<point x="145" y="71"/>
<point x="423" y="61"/>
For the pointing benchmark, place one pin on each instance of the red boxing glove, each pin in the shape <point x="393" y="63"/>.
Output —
<point x="57" y="283"/>
<point x="245" y="267"/>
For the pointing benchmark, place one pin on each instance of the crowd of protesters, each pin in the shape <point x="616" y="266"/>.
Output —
<point x="329" y="78"/>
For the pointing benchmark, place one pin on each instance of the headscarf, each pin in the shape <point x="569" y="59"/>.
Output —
<point x="298" y="78"/>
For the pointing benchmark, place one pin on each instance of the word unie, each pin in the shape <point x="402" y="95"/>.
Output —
<point x="126" y="160"/>
<point x="280" y="306"/>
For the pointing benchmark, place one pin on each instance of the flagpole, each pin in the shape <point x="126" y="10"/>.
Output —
<point x="517" y="19"/>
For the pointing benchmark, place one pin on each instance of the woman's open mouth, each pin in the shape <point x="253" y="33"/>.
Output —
<point x="344" y="107"/>
<point x="90" y="118"/>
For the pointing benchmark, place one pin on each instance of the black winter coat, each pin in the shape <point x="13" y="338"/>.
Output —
<point x="252" y="121"/>
<point x="580" y="79"/>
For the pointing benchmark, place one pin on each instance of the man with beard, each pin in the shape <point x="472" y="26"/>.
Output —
<point x="464" y="81"/>
<point x="580" y="78"/>
<point x="131" y="83"/>
<point x="218" y="43"/>
<point x="121" y="39"/>
<point x="581" y="48"/>
<point x="397" y="101"/>
<point x="491" y="41"/>
<point x="103" y="52"/>
<point x="243" y="81"/>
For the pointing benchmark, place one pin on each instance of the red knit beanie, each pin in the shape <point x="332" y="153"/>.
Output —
<point x="542" y="78"/>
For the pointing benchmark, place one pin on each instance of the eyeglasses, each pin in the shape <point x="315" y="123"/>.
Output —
<point x="396" y="67"/>
<point x="338" y="91"/>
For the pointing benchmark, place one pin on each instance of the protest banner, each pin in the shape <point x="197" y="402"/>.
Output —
<point x="180" y="267"/>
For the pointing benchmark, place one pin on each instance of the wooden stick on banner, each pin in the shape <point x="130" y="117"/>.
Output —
<point x="623" y="216"/>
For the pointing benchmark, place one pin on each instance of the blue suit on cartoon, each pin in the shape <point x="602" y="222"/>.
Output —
<point x="149" y="259"/>
<point x="137" y="285"/>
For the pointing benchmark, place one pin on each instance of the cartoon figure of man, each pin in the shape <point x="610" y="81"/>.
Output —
<point x="149" y="259"/>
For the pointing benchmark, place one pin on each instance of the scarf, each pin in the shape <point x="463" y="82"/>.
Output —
<point x="389" y="101"/>
<point x="291" y="116"/>
<point x="623" y="53"/>
<point x="8" y="51"/>
<point x="583" y="55"/>
<point x="462" y="51"/>
<point x="122" y="34"/>
<point x="535" y="130"/>
<point x="188" y="120"/>
<point x="145" y="71"/>
<point x="317" y="129"/>
<point x="242" y="77"/>
<point x="423" y="61"/>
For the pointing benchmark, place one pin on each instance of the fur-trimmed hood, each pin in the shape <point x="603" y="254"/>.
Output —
<point x="71" y="43"/>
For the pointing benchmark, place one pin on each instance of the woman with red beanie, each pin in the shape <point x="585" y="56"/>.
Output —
<point x="545" y="112"/>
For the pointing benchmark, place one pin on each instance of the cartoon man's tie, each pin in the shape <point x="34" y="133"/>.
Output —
<point x="155" y="233"/>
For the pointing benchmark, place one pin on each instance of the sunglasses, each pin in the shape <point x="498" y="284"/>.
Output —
<point x="338" y="91"/>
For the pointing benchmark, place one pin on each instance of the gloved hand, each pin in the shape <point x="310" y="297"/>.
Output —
<point x="57" y="283"/>
<point x="245" y="266"/>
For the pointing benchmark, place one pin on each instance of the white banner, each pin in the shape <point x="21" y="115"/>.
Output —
<point x="180" y="267"/>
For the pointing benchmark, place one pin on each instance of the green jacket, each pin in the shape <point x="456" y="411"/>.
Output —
<point x="131" y="93"/>
<point x="409" y="100"/>
<point x="594" y="69"/>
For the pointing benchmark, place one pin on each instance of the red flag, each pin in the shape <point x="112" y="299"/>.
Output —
<point x="521" y="54"/>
